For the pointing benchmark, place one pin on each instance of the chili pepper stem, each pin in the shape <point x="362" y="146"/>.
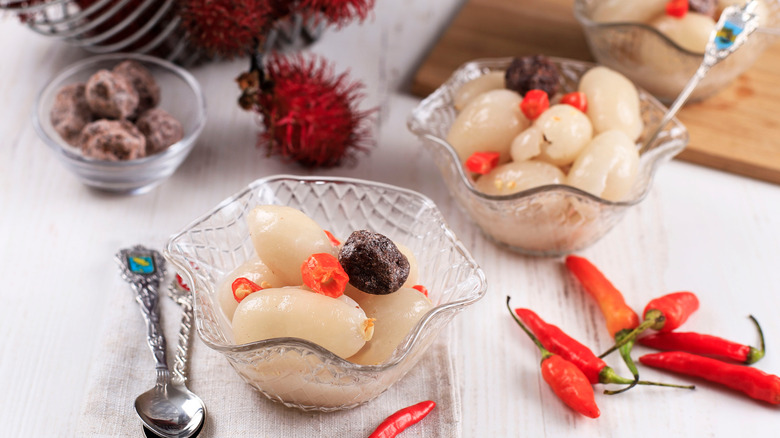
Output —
<point x="755" y="354"/>
<point x="650" y="321"/>
<point x="667" y="385"/>
<point x="545" y="353"/>
<point x="625" y="353"/>
<point x="609" y="376"/>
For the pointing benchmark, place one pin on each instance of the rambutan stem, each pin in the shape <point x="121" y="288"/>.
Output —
<point x="256" y="64"/>
<point x="256" y="59"/>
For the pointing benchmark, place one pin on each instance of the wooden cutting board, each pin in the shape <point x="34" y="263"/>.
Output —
<point x="737" y="130"/>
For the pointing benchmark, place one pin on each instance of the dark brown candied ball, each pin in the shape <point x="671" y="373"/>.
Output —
<point x="704" y="7"/>
<point x="112" y="140"/>
<point x="373" y="262"/>
<point x="532" y="73"/>
<point x="143" y="82"/>
<point x="111" y="96"/>
<point x="160" y="128"/>
<point x="70" y="113"/>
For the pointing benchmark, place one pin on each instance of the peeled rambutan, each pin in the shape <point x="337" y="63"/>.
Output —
<point x="310" y="114"/>
<point x="226" y="28"/>
<point x="336" y="12"/>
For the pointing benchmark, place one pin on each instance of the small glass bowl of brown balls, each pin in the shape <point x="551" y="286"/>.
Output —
<point x="121" y="122"/>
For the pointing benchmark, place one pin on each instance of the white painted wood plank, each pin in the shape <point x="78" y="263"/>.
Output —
<point x="701" y="230"/>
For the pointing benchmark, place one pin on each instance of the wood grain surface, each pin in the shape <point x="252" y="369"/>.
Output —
<point x="736" y="130"/>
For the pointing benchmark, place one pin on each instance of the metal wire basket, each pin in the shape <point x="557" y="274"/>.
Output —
<point x="105" y="26"/>
<point x="142" y="26"/>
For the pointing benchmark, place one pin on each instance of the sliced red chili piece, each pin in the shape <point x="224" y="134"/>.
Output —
<point x="332" y="238"/>
<point x="324" y="274"/>
<point x="181" y="283"/>
<point x="242" y="287"/>
<point x="677" y="8"/>
<point x="421" y="288"/>
<point x="577" y="99"/>
<point x="534" y="103"/>
<point x="482" y="162"/>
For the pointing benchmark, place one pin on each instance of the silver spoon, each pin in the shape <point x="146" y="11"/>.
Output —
<point x="183" y="298"/>
<point x="734" y="26"/>
<point x="169" y="409"/>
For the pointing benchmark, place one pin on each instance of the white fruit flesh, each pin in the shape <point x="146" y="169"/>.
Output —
<point x="337" y="324"/>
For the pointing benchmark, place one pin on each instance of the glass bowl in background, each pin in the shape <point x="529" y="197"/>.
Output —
<point x="656" y="63"/>
<point x="180" y="95"/>
<point x="293" y="371"/>
<point x="550" y="220"/>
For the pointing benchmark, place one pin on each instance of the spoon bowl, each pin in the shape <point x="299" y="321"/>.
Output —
<point x="171" y="410"/>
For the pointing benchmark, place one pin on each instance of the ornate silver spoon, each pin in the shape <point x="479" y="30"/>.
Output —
<point x="169" y="409"/>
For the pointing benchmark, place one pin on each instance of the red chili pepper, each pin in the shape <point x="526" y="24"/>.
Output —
<point x="662" y="314"/>
<point x="402" y="419"/>
<point x="670" y="311"/>
<point x="558" y="342"/>
<point x="333" y="240"/>
<point x="677" y="8"/>
<point x="621" y="319"/>
<point x="707" y="345"/>
<point x="534" y="103"/>
<point x="482" y="162"/>
<point x="570" y="384"/>
<point x="323" y="274"/>
<point x="577" y="99"/>
<point x="566" y="379"/>
<point x="421" y="288"/>
<point x="242" y="287"/>
<point x="751" y="381"/>
<point x="613" y="306"/>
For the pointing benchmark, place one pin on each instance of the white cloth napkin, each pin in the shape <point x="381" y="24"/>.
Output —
<point x="123" y="368"/>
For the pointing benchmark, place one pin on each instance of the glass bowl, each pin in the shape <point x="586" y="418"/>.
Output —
<point x="659" y="65"/>
<point x="180" y="95"/>
<point x="293" y="371"/>
<point x="549" y="220"/>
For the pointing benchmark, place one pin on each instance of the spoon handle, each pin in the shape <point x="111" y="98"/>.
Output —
<point x="184" y="299"/>
<point x="144" y="268"/>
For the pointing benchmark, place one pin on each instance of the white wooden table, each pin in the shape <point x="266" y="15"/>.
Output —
<point x="701" y="230"/>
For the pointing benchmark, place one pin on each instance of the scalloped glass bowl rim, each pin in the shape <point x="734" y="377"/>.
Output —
<point x="70" y="152"/>
<point x="668" y="148"/>
<point x="403" y="350"/>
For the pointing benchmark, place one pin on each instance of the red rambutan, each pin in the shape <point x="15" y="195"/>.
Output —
<point x="226" y="27"/>
<point x="337" y="12"/>
<point x="310" y="114"/>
